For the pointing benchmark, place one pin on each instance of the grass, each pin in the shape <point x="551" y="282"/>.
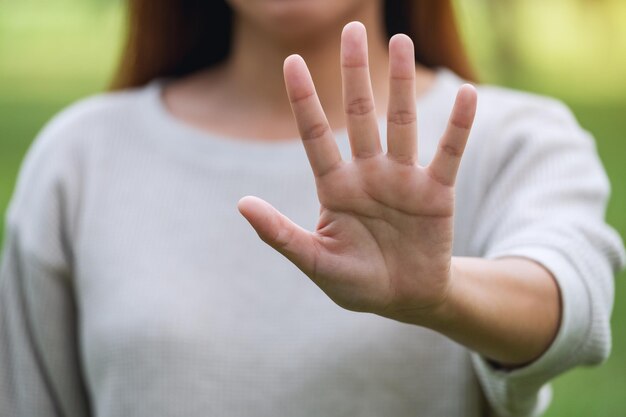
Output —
<point x="53" y="54"/>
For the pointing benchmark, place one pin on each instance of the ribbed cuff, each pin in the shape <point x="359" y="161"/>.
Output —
<point x="523" y="391"/>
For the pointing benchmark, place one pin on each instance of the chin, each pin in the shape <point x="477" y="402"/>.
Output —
<point x="297" y="18"/>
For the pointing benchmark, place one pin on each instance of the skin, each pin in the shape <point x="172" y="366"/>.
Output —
<point x="383" y="243"/>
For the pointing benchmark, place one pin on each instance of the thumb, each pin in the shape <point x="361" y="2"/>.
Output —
<point x="275" y="229"/>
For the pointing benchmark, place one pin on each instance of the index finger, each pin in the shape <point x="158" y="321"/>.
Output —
<point x="319" y="142"/>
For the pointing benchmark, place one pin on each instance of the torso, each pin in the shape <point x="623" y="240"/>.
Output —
<point x="184" y="307"/>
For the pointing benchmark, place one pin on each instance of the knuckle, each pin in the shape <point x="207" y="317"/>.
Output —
<point x="284" y="236"/>
<point x="360" y="106"/>
<point x="460" y="123"/>
<point x="401" y="117"/>
<point x="451" y="150"/>
<point x="330" y="169"/>
<point x="296" y="98"/>
<point x="315" y="131"/>
<point x="402" y="159"/>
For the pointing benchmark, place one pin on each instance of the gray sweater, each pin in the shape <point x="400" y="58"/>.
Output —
<point x="131" y="286"/>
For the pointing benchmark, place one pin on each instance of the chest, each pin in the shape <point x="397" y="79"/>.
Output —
<point x="179" y="299"/>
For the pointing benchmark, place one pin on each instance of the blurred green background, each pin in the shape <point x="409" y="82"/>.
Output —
<point x="54" y="52"/>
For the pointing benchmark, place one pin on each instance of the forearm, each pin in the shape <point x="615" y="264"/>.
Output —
<point x="507" y="310"/>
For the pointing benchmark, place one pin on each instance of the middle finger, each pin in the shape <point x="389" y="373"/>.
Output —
<point x="358" y="99"/>
<point x="401" y="112"/>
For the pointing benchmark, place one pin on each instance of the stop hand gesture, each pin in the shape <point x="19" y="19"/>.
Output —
<point x="383" y="243"/>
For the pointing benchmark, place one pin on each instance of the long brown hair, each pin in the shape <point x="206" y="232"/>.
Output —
<point x="173" y="38"/>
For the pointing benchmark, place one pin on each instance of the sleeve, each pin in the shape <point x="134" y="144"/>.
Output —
<point x="40" y="372"/>
<point x="545" y="200"/>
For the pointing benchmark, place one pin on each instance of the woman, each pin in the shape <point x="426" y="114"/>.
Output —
<point x="131" y="287"/>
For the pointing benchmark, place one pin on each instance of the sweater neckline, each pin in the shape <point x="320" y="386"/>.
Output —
<point x="183" y="136"/>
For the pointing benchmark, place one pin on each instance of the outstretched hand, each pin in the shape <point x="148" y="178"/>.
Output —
<point x="383" y="243"/>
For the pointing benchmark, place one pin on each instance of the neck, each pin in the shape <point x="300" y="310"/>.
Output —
<point x="254" y="69"/>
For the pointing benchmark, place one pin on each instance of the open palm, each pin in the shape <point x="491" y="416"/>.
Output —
<point x="383" y="243"/>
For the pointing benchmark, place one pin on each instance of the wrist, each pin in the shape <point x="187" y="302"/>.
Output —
<point x="441" y="315"/>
